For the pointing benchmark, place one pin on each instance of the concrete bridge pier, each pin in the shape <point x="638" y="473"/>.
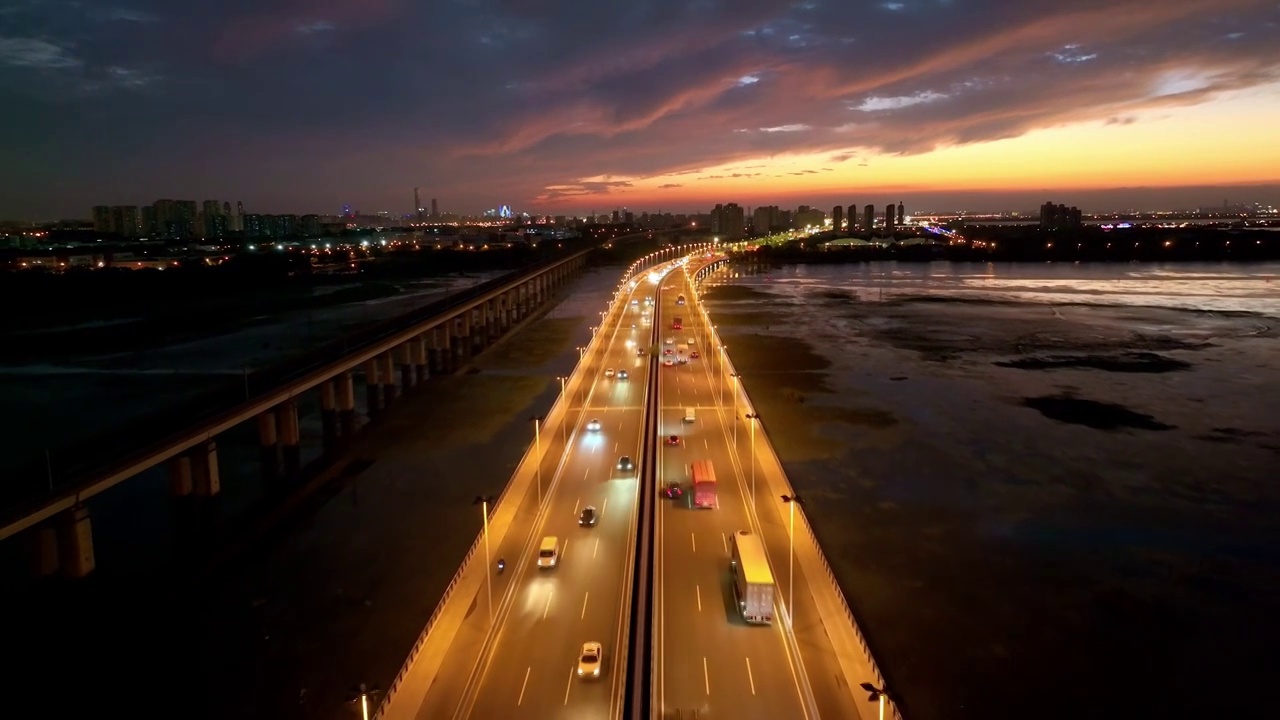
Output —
<point x="346" y="404"/>
<point x="290" y="436"/>
<point x="65" y="543"/>
<point x="388" y="377"/>
<point x="408" y="370"/>
<point x="491" y="321"/>
<point x="204" y="469"/>
<point x="504" y="313"/>
<point x="457" y="342"/>
<point x="418" y="353"/>
<point x="479" y="335"/>
<point x="269" y="444"/>
<point x="372" y="388"/>
<point x="45" y="559"/>
<point x="181" y="483"/>
<point x="329" y="415"/>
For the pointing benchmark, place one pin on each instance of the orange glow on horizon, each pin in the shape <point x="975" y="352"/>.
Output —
<point x="1230" y="141"/>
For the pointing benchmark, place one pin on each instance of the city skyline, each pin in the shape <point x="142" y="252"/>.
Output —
<point x="307" y="105"/>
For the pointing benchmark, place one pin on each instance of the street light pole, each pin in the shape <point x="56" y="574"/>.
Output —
<point x="483" y="501"/>
<point x="754" y="418"/>
<point x="878" y="694"/>
<point x="537" y="454"/>
<point x="735" y="409"/>
<point x="791" y="501"/>
<point x="563" y="420"/>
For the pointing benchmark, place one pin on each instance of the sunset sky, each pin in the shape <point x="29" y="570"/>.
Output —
<point x="575" y="105"/>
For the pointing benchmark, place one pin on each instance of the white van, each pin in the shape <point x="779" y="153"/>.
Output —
<point x="689" y="415"/>
<point x="549" y="552"/>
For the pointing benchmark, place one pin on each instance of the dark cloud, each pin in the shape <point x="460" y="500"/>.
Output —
<point x="304" y="104"/>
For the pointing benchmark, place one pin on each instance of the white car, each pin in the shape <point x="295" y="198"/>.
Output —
<point x="593" y="426"/>
<point x="622" y="375"/>
<point x="669" y="341"/>
<point x="691" y="342"/>
<point x="668" y="361"/>
<point x="608" y="372"/>
<point x="590" y="659"/>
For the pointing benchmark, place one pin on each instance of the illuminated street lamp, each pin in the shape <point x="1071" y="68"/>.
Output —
<point x="537" y="452"/>
<point x="361" y="694"/>
<point x="791" y="501"/>
<point x="754" y="418"/>
<point x="736" y="379"/>
<point x="484" y="501"/>
<point x="878" y="694"/>
<point x="563" y="380"/>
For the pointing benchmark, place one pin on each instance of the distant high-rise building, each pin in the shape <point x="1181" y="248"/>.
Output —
<point x="728" y="220"/>
<point x="212" y="222"/>
<point x="902" y="214"/>
<point x="767" y="219"/>
<point x="615" y="217"/>
<point x="312" y="227"/>
<point x="890" y="212"/>
<point x="628" y="217"/>
<point x="853" y="217"/>
<point x="102" y="218"/>
<point x="868" y="218"/>
<point x="147" y="221"/>
<point x="837" y="219"/>
<point x="1059" y="217"/>
<point x="254" y="225"/>
<point x="125" y="221"/>
<point x="807" y="217"/>
<point x="417" y="205"/>
<point x="435" y="208"/>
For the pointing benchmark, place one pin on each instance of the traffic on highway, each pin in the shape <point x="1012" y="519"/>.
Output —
<point x="559" y="597"/>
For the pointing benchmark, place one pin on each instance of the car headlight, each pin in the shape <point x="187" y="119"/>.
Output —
<point x="596" y="672"/>
<point x="579" y="671"/>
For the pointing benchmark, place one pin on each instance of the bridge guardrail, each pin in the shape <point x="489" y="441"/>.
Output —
<point x="780" y="472"/>
<point x="558" y="406"/>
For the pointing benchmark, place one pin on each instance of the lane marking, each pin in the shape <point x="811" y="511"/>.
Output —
<point x="604" y="507"/>
<point x="694" y="542"/>
<point x="725" y="539"/>
<point x="586" y="474"/>
<point x="706" y="677"/>
<point x="569" y="686"/>
<point x="698" y="589"/>
<point x="547" y="609"/>
<point x="564" y="549"/>
<point x="576" y="503"/>
<point x="615" y="446"/>
<point x="750" y="678"/>
<point x="596" y="550"/>
<point x="704" y="444"/>
<point x="585" y="595"/>
<point x="523" y="684"/>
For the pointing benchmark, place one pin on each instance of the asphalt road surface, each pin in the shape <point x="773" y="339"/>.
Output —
<point x="530" y="670"/>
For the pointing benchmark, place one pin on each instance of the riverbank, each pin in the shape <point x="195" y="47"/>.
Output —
<point x="1029" y="496"/>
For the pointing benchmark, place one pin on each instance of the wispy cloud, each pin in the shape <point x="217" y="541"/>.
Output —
<point x="36" y="53"/>
<point x="314" y="26"/>
<point x="124" y="15"/>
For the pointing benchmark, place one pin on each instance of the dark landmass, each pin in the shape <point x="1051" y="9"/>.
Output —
<point x="1092" y="413"/>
